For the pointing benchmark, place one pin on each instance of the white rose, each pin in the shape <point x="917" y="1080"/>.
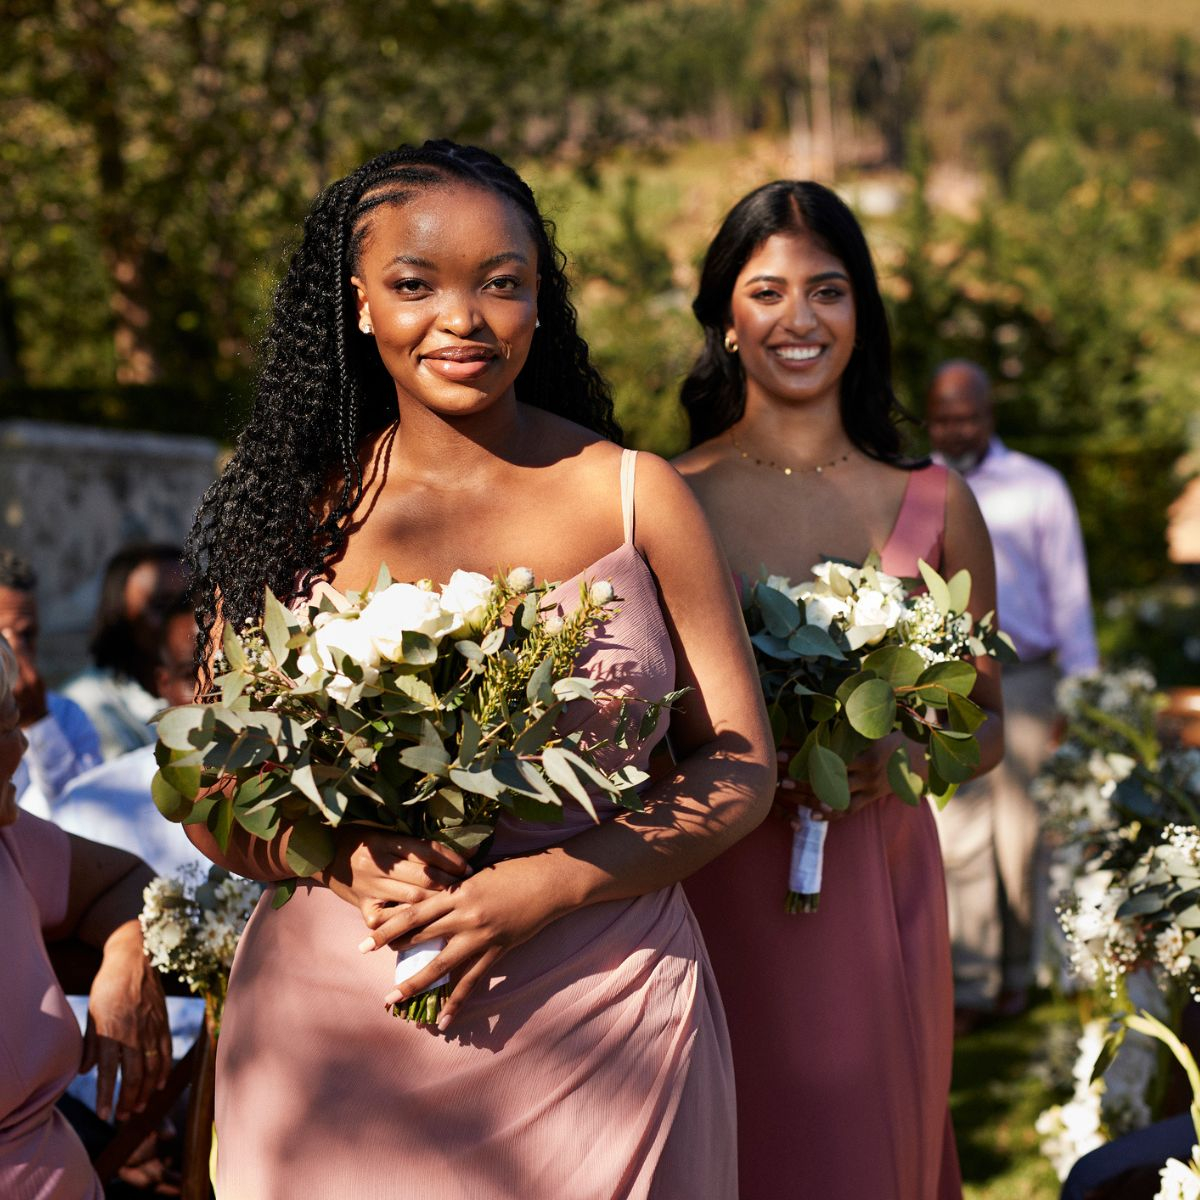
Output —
<point x="520" y="579"/>
<point x="822" y="610"/>
<point x="602" y="592"/>
<point x="348" y="637"/>
<point x="399" y="609"/>
<point x="465" y="599"/>
<point x="874" y="614"/>
<point x="887" y="584"/>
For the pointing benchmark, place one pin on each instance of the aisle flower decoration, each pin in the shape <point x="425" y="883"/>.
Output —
<point x="191" y="924"/>
<point x="429" y="712"/>
<point x="1122" y="811"/>
<point x="852" y="655"/>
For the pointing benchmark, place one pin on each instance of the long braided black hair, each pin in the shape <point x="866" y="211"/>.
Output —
<point x="714" y="392"/>
<point x="323" y="388"/>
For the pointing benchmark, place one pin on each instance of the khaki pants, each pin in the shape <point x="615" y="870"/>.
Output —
<point x="990" y="844"/>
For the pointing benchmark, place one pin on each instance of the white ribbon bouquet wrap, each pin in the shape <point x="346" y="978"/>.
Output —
<point x="851" y="657"/>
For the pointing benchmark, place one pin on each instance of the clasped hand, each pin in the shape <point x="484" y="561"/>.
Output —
<point x="411" y="891"/>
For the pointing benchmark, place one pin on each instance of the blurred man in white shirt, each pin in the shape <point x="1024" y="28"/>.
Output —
<point x="989" y="831"/>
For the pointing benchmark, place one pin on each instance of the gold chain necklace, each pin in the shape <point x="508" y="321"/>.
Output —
<point x="769" y="462"/>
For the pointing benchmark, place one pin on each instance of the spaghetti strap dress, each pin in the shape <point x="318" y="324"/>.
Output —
<point x="841" y="1020"/>
<point x="593" y="1064"/>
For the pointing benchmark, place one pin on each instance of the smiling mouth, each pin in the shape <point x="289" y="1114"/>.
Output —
<point x="461" y="354"/>
<point x="797" y="353"/>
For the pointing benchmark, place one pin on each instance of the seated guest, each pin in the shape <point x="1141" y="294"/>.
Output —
<point x="62" y="742"/>
<point x="112" y="803"/>
<point x="141" y="585"/>
<point x="52" y="886"/>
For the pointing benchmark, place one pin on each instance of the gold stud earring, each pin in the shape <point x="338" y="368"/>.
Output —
<point x="731" y="346"/>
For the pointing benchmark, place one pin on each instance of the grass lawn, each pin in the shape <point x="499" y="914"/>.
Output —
<point x="995" y="1099"/>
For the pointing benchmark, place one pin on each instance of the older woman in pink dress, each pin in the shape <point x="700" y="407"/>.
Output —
<point x="54" y="885"/>
<point x="841" y="1020"/>
<point x="427" y="403"/>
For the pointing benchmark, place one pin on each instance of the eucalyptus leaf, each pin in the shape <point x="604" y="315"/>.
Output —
<point x="276" y="626"/>
<point x="871" y="709"/>
<point x="780" y="613"/>
<point x="558" y="767"/>
<point x="493" y="641"/>
<point x="956" y="759"/>
<point x="310" y="847"/>
<point x="965" y="715"/>
<point x="186" y="728"/>
<point x="827" y="774"/>
<point x="938" y="590"/>
<point x="538" y="689"/>
<point x="232" y="646"/>
<point x="428" y="760"/>
<point x="811" y="641"/>
<point x="899" y="665"/>
<point x="482" y="783"/>
<point x="958" y="587"/>
<point x="942" y="679"/>
<point x="905" y="782"/>
<point x="168" y="799"/>
<point x="1141" y="904"/>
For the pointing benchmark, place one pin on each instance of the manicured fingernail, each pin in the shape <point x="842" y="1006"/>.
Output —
<point x="392" y="998"/>
<point x="443" y="1022"/>
<point x="365" y="945"/>
<point x="818" y="816"/>
<point x="788" y="785"/>
<point x="782" y="755"/>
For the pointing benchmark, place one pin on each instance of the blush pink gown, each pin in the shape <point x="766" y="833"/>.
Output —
<point x="841" y="1020"/>
<point x="41" y="1158"/>
<point x="593" y="1065"/>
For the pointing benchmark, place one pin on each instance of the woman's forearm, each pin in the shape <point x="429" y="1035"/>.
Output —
<point x="716" y="796"/>
<point x="245" y="854"/>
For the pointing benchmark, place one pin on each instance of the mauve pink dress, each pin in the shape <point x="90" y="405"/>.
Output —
<point x="594" y="1064"/>
<point x="40" y="1045"/>
<point x="842" y="1020"/>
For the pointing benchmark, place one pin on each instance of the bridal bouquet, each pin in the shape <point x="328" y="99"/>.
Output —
<point x="423" y="711"/>
<point x="191" y="926"/>
<point x="853" y="654"/>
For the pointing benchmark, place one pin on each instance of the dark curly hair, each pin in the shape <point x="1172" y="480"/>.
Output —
<point x="323" y="388"/>
<point x="714" y="392"/>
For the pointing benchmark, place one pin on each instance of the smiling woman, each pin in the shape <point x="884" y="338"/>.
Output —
<point x="793" y="415"/>
<point x="426" y="403"/>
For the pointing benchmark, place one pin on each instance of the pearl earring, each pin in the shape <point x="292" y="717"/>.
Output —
<point x="366" y="326"/>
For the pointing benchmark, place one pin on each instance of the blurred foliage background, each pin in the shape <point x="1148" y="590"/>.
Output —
<point x="1029" y="174"/>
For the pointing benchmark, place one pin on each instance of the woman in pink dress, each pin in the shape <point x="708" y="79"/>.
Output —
<point x="840" y="1020"/>
<point x="53" y="885"/>
<point x="426" y="402"/>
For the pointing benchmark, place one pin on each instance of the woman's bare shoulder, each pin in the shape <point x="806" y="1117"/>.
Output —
<point x="703" y="458"/>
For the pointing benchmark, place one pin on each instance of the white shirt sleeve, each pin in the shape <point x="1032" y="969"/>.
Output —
<point x="62" y="744"/>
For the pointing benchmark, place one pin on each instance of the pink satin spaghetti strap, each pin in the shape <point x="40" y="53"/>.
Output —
<point x="920" y="527"/>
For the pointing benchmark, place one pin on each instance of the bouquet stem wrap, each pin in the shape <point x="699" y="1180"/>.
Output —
<point x="425" y="1006"/>
<point x="808" y="861"/>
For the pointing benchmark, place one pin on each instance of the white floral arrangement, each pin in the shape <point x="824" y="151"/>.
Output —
<point x="430" y="712"/>
<point x="1100" y="1109"/>
<point x="191" y="924"/>
<point x="852" y="655"/>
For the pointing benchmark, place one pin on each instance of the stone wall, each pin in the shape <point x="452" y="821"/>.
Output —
<point x="70" y="496"/>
